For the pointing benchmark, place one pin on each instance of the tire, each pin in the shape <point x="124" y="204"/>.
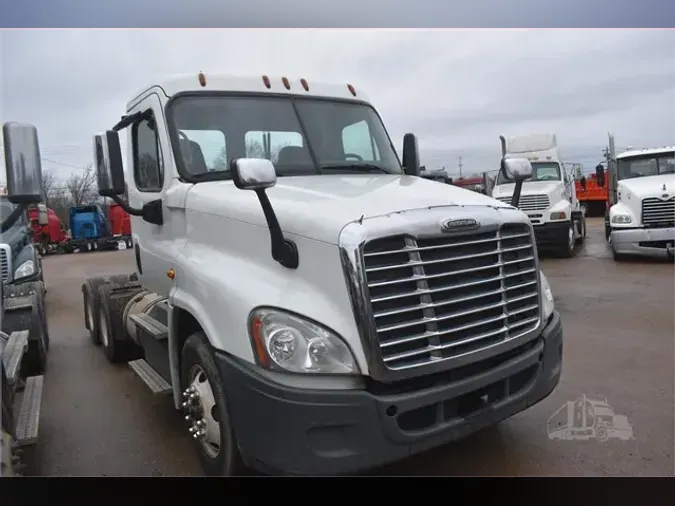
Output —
<point x="582" y="239"/>
<point x="568" y="242"/>
<point x="90" y="301"/>
<point x="618" y="257"/>
<point x="117" y="346"/>
<point x="41" y="291"/>
<point x="197" y="357"/>
<point x="34" y="362"/>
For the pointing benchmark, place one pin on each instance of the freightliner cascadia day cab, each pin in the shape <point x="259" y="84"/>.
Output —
<point x="640" y="218"/>
<point x="549" y="197"/>
<point x="24" y="336"/>
<point x="313" y="306"/>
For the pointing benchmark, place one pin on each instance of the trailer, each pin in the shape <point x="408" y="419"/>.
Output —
<point x="352" y="316"/>
<point x="24" y="336"/>
<point x="593" y="196"/>
<point x="549" y="197"/>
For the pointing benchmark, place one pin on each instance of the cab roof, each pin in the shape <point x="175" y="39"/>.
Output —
<point x="174" y="84"/>
<point x="645" y="152"/>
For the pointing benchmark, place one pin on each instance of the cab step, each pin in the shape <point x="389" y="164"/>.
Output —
<point x="151" y="326"/>
<point x="150" y="377"/>
<point x="14" y="350"/>
<point x="28" y="421"/>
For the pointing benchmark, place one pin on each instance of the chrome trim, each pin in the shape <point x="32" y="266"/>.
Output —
<point x="6" y="273"/>
<point x="658" y="212"/>
<point x="527" y="203"/>
<point x="421" y="224"/>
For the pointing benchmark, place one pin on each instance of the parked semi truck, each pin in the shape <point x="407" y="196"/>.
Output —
<point x="120" y="225"/>
<point x="24" y="335"/>
<point x="90" y="229"/>
<point x="49" y="234"/>
<point x="549" y="197"/>
<point x="347" y="313"/>
<point x="640" y="217"/>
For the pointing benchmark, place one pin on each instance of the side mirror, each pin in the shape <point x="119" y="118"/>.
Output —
<point x="515" y="169"/>
<point x="253" y="173"/>
<point x="43" y="215"/>
<point x="600" y="176"/>
<point x="411" y="155"/>
<point x="23" y="163"/>
<point x="258" y="174"/>
<point x="109" y="167"/>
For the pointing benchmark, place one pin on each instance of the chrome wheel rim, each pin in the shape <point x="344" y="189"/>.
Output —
<point x="202" y="412"/>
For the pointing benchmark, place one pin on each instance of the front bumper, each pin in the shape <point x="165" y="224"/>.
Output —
<point x="551" y="234"/>
<point x="319" y="432"/>
<point x="652" y="242"/>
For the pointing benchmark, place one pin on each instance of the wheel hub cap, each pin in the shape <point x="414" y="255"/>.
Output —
<point x="199" y="406"/>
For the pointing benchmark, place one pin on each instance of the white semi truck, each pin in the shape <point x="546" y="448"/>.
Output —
<point x="311" y="304"/>
<point x="640" y="217"/>
<point x="549" y="197"/>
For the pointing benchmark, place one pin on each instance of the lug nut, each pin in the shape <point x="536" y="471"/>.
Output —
<point x="193" y="396"/>
<point x="201" y="422"/>
<point x="195" y="436"/>
<point x="187" y="418"/>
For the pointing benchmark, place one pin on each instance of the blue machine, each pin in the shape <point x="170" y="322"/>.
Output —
<point x="89" y="229"/>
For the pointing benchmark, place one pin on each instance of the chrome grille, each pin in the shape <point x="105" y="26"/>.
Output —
<point x="530" y="202"/>
<point x="439" y="298"/>
<point x="658" y="213"/>
<point x="5" y="262"/>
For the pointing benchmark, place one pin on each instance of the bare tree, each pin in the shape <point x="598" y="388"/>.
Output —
<point x="82" y="187"/>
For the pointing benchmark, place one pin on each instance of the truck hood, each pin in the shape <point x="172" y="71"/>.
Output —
<point x="649" y="186"/>
<point x="529" y="188"/>
<point x="318" y="207"/>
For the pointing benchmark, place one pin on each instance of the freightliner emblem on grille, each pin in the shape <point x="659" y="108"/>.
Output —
<point x="457" y="225"/>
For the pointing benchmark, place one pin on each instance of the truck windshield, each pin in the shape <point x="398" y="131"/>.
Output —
<point x="541" y="171"/>
<point x="644" y="166"/>
<point x="300" y="136"/>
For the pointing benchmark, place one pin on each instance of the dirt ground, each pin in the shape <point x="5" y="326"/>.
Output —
<point x="101" y="420"/>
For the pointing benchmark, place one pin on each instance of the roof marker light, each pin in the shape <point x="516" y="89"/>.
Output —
<point x="351" y="89"/>
<point x="202" y="79"/>
<point x="287" y="83"/>
<point x="303" y="81"/>
<point x="266" y="82"/>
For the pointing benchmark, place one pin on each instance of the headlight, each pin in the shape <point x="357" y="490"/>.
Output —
<point x="25" y="269"/>
<point x="290" y="343"/>
<point x="546" y="297"/>
<point x="621" y="218"/>
<point x="558" y="216"/>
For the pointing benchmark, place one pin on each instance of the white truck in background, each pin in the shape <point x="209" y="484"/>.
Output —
<point x="311" y="304"/>
<point x="549" y="197"/>
<point x="640" y="219"/>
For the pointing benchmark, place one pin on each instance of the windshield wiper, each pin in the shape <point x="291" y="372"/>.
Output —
<point x="356" y="167"/>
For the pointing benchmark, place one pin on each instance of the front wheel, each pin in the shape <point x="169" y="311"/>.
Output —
<point x="206" y="410"/>
<point x="567" y="248"/>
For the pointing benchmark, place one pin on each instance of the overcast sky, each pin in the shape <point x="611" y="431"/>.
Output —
<point x="457" y="90"/>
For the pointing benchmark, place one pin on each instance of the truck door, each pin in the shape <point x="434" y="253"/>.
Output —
<point x="154" y="245"/>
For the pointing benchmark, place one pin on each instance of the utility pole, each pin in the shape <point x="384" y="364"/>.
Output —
<point x="460" y="167"/>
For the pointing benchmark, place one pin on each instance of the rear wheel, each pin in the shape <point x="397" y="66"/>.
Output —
<point x="92" y="304"/>
<point x="117" y="345"/>
<point x="582" y="230"/>
<point x="206" y="410"/>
